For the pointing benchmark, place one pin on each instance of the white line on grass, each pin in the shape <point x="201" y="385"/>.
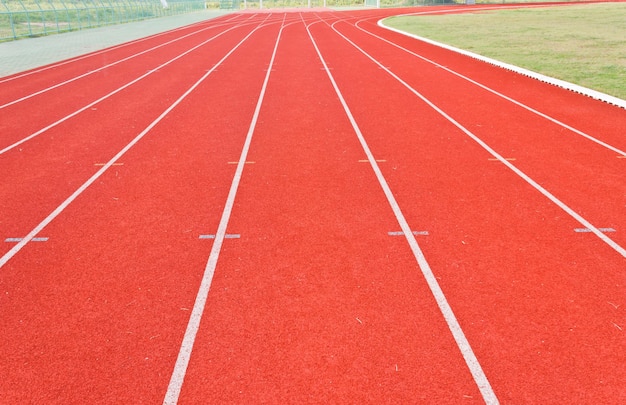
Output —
<point x="184" y="354"/>
<point x="619" y="249"/>
<point x="455" y="328"/>
<point x="7" y="256"/>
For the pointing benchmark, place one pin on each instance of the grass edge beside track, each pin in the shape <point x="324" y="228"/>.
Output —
<point x="583" y="73"/>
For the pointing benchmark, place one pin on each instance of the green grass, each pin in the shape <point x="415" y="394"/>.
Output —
<point x="582" y="44"/>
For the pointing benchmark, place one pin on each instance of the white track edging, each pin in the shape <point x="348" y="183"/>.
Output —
<point x="529" y="73"/>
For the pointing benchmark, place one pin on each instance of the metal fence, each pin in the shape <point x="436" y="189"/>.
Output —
<point x="263" y="4"/>
<point x="268" y="4"/>
<point x="32" y="18"/>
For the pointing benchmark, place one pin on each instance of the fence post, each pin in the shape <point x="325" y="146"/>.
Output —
<point x="56" y="16"/>
<point x="11" y="21"/>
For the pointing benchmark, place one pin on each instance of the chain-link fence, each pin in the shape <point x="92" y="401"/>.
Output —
<point x="262" y="4"/>
<point x="32" y="18"/>
<point x="268" y="4"/>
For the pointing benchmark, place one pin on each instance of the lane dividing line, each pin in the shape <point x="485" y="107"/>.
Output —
<point x="105" y="67"/>
<point x="32" y="234"/>
<point x="614" y="245"/>
<point x="184" y="354"/>
<point x="453" y="325"/>
<point x="90" y="105"/>
<point x="484" y="87"/>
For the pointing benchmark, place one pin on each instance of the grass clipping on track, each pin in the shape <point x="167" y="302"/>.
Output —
<point x="581" y="44"/>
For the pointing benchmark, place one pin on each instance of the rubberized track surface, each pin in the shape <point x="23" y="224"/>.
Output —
<point x="307" y="208"/>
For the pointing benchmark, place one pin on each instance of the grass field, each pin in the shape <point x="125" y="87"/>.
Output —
<point x="582" y="44"/>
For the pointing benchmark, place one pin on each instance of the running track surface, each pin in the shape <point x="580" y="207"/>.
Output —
<point x="304" y="207"/>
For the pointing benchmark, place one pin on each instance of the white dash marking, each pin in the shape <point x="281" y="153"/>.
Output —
<point x="17" y="240"/>
<point x="401" y="233"/>
<point x="226" y="236"/>
<point x="584" y="230"/>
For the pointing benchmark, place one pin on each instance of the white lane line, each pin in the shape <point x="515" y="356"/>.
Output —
<point x="453" y="325"/>
<point x="184" y="354"/>
<point x="104" y="67"/>
<point x="88" y="106"/>
<point x="614" y="245"/>
<point x="484" y="87"/>
<point x="7" y="256"/>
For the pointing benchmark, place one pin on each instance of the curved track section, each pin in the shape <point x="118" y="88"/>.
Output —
<point x="305" y="207"/>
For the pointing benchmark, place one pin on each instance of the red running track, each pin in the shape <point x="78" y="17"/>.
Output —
<point x="307" y="208"/>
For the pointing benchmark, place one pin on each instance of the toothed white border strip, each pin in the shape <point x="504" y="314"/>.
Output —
<point x="529" y="73"/>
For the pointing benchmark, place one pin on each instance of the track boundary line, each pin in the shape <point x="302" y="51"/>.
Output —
<point x="453" y="325"/>
<point x="619" y="249"/>
<point x="184" y="355"/>
<point x="497" y="93"/>
<point x="10" y="103"/>
<point x="594" y="94"/>
<point x="93" y="103"/>
<point x="11" y="253"/>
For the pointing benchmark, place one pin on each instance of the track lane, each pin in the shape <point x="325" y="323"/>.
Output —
<point x="608" y="124"/>
<point x="51" y="107"/>
<point x="112" y="60"/>
<point x="313" y="301"/>
<point x="498" y="251"/>
<point x="25" y="83"/>
<point x="105" y="325"/>
<point x="526" y="289"/>
<point x="46" y="170"/>
<point x="567" y="165"/>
